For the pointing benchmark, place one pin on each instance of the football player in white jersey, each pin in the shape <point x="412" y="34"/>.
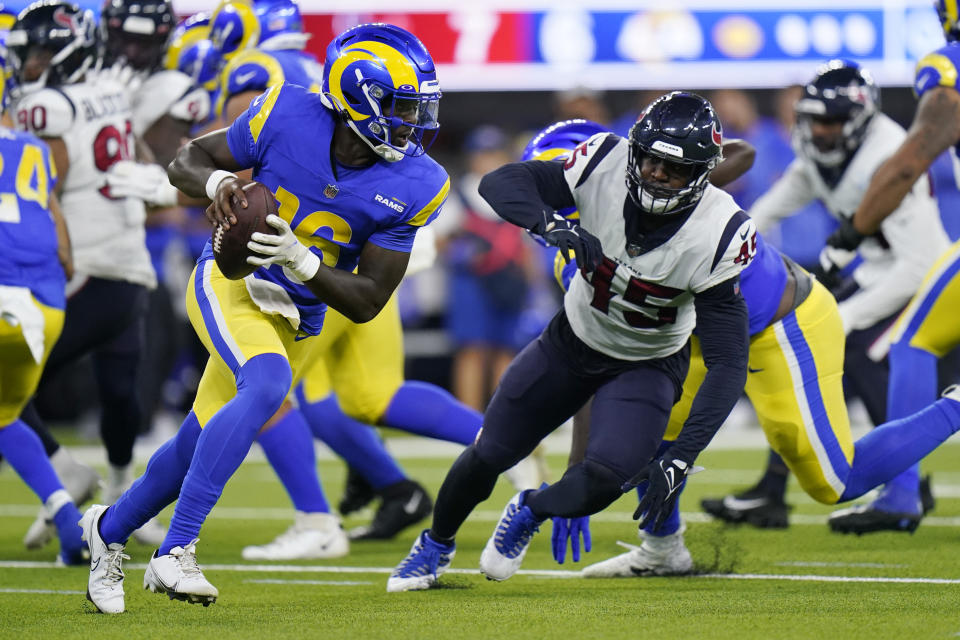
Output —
<point x="841" y="138"/>
<point x="660" y="249"/>
<point x="88" y="125"/>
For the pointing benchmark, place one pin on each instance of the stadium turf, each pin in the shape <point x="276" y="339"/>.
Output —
<point x="804" y="582"/>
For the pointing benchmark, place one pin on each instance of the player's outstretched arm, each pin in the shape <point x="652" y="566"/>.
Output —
<point x="738" y="157"/>
<point x="935" y="128"/>
<point x="203" y="168"/>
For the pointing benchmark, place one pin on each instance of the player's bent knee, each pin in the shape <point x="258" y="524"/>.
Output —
<point x="269" y="377"/>
<point x="495" y="454"/>
<point x="587" y="487"/>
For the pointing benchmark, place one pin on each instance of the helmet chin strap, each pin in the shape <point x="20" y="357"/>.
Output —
<point x="383" y="150"/>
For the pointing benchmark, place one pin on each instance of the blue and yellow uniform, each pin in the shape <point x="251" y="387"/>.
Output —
<point x="32" y="281"/>
<point x="928" y="323"/>
<point x="794" y="377"/>
<point x="363" y="364"/>
<point x="333" y="210"/>
<point x="259" y="69"/>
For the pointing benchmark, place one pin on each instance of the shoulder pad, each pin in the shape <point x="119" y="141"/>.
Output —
<point x="587" y="155"/>
<point x="937" y="69"/>
<point x="193" y="107"/>
<point x="47" y="113"/>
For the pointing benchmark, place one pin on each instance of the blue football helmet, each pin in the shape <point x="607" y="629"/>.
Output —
<point x="683" y="131"/>
<point x="560" y="138"/>
<point x="383" y="83"/>
<point x="7" y="18"/>
<point x="842" y="91"/>
<point x="949" y="15"/>
<point x="191" y="51"/>
<point x="268" y="24"/>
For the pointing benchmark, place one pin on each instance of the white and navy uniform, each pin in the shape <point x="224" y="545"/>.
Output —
<point x="168" y="92"/>
<point x="894" y="261"/>
<point x="113" y="273"/>
<point x="623" y="334"/>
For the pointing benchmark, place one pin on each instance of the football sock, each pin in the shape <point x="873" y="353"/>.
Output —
<point x="469" y="482"/>
<point x="428" y="410"/>
<point x="358" y="444"/>
<point x="156" y="488"/>
<point x="65" y="518"/>
<point x="262" y="385"/>
<point x="24" y="451"/>
<point x="894" y="446"/>
<point x="774" y="480"/>
<point x="913" y="386"/>
<point x="33" y="420"/>
<point x="288" y="446"/>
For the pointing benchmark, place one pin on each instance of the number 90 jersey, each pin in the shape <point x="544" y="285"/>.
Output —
<point x="638" y="304"/>
<point x="94" y="121"/>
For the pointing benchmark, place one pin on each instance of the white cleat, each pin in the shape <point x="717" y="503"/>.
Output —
<point x="105" y="584"/>
<point x="178" y="575"/>
<point x="504" y="552"/>
<point x="80" y="481"/>
<point x="312" y="536"/>
<point x="656" y="556"/>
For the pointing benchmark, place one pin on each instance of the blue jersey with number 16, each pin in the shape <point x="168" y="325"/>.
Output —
<point x="286" y="137"/>
<point x="28" y="237"/>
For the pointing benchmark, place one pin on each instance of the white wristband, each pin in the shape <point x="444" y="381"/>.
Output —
<point x="306" y="265"/>
<point x="215" y="179"/>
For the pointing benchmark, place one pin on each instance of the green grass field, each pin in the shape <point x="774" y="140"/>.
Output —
<point x="800" y="583"/>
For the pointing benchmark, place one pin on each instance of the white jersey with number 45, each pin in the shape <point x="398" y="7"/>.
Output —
<point x="94" y="121"/>
<point x="638" y="304"/>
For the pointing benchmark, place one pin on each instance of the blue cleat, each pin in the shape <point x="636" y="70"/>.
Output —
<point x="505" y="549"/>
<point x="423" y="566"/>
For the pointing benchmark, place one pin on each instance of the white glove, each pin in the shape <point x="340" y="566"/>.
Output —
<point x="148" y="182"/>
<point x="833" y="260"/>
<point x="283" y="249"/>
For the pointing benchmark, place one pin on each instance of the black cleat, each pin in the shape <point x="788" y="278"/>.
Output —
<point x="868" y="518"/>
<point x="753" y="506"/>
<point x="403" y="504"/>
<point x="357" y="493"/>
<point x="864" y="518"/>
<point x="927" y="501"/>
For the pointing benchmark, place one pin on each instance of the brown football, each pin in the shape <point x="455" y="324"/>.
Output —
<point x="230" y="246"/>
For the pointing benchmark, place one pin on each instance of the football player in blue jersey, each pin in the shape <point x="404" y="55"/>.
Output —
<point x="261" y="44"/>
<point x="355" y="207"/>
<point x="34" y="266"/>
<point x="796" y="358"/>
<point x="927" y="329"/>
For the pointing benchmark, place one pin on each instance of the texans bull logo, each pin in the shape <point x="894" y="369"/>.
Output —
<point x="717" y="135"/>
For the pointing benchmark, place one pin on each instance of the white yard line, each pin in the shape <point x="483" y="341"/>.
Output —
<point x="857" y="565"/>
<point x="543" y="573"/>
<point x="335" y="583"/>
<point x="482" y="515"/>
<point x="44" y="591"/>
